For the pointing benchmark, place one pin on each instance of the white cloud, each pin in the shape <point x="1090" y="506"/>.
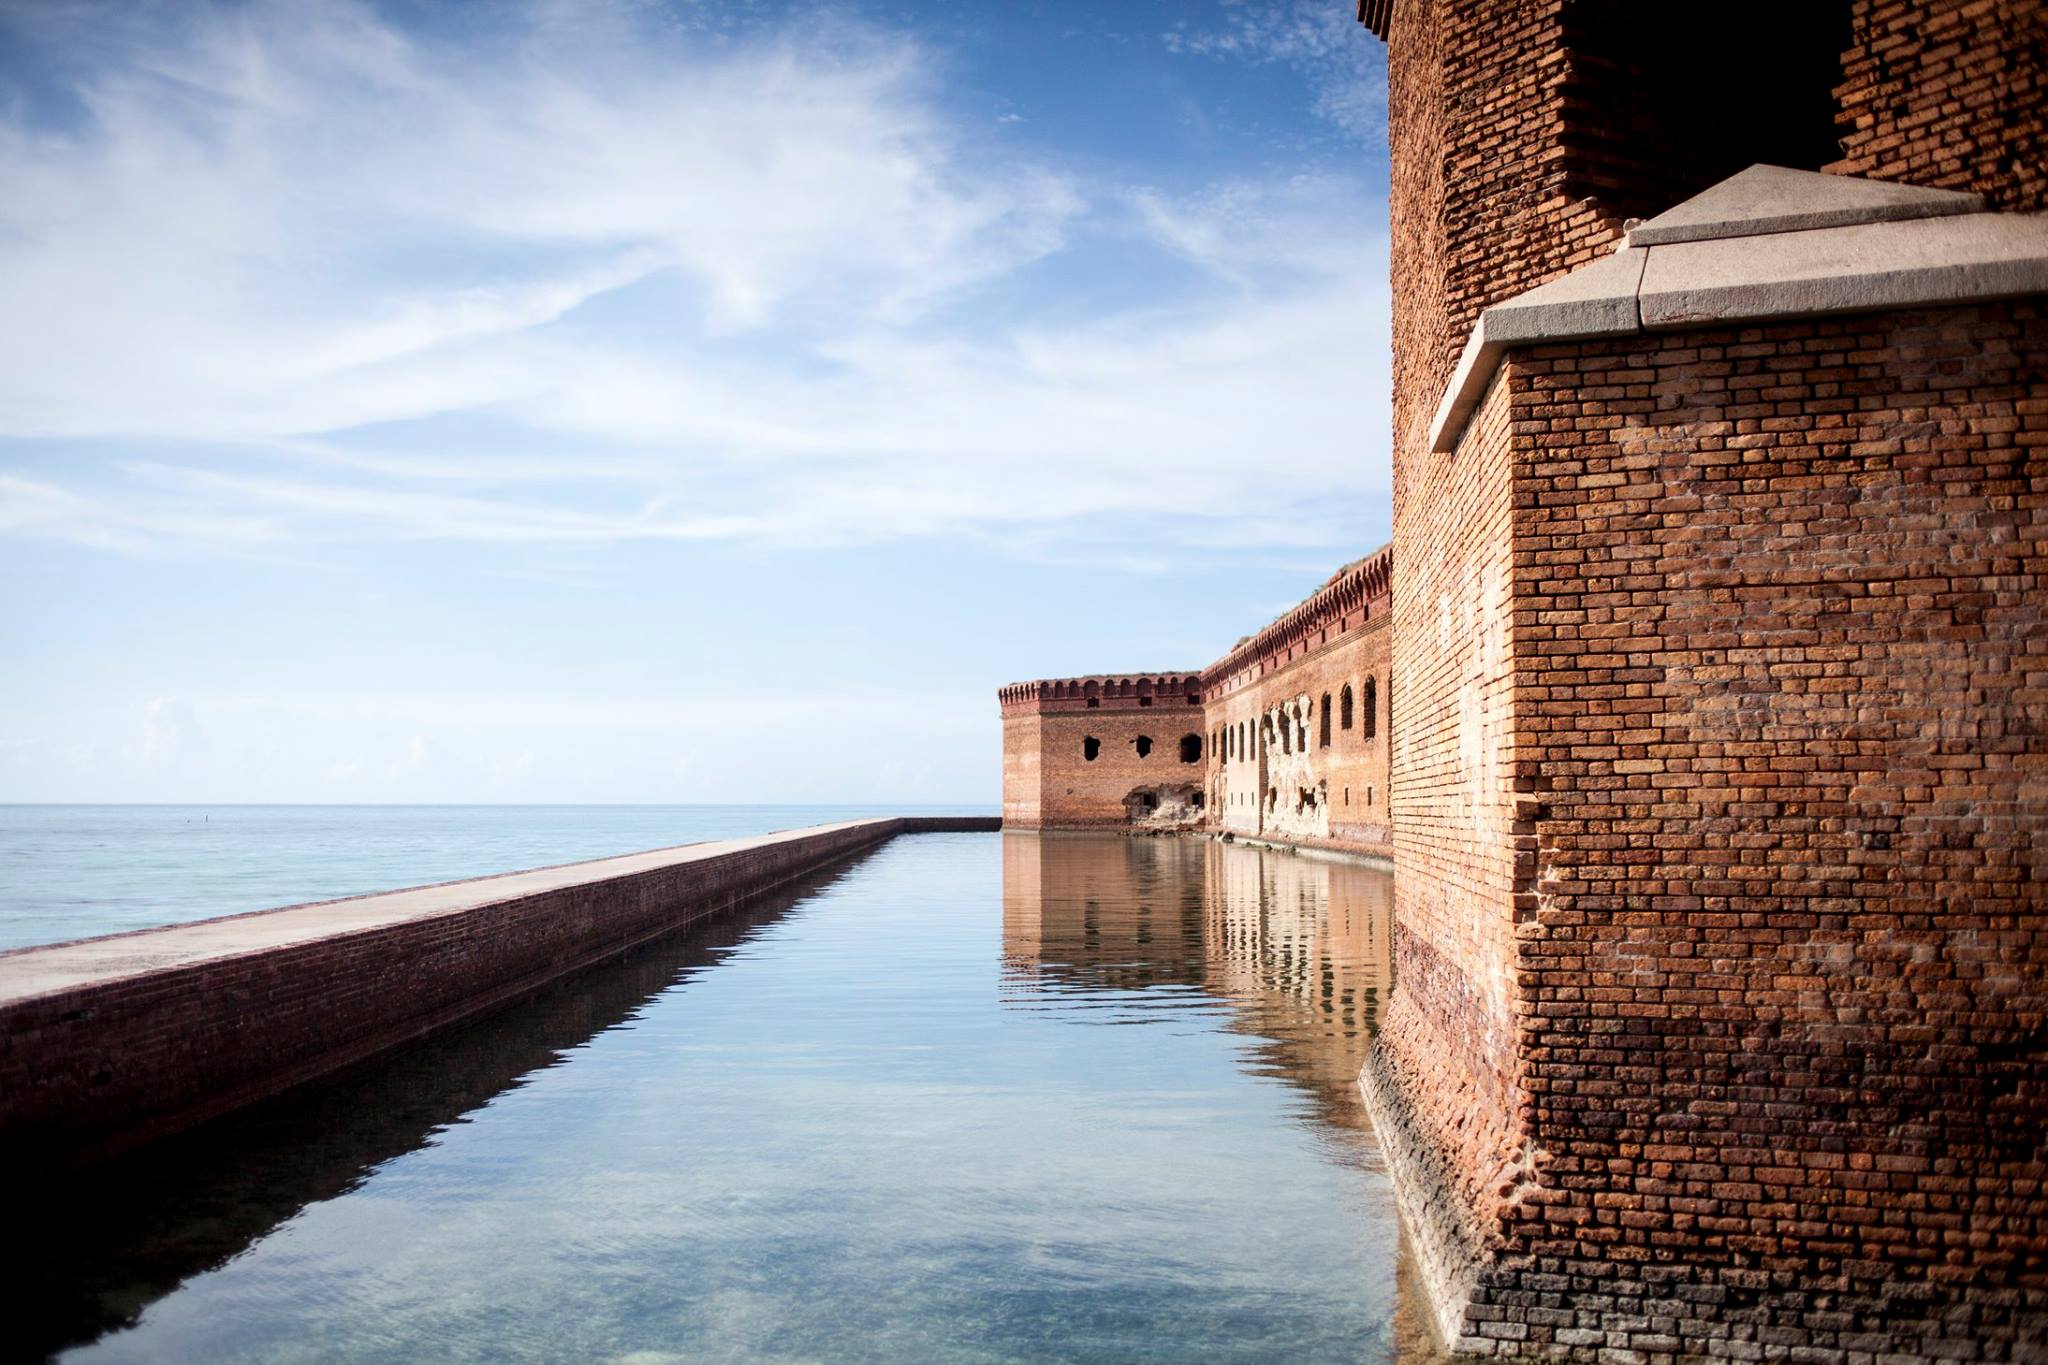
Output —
<point x="1323" y="41"/>
<point x="715" y="290"/>
<point x="170" y="733"/>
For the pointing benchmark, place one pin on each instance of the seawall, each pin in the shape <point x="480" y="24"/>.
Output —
<point x="111" y="1042"/>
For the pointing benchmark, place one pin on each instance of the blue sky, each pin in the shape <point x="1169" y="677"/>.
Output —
<point x="610" y="401"/>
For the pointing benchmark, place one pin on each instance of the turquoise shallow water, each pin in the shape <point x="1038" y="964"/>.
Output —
<point x="973" y="1097"/>
<point x="75" y="871"/>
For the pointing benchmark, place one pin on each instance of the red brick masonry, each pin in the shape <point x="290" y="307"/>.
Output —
<point x="1285" y="738"/>
<point x="110" y="1042"/>
<point x="1719" y="815"/>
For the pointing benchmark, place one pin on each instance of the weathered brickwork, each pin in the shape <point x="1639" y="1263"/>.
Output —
<point x="1449" y="1046"/>
<point x="1284" y="738"/>
<point x="1298" y="718"/>
<point x="1720" y="789"/>
<point x="1784" y="1015"/>
<point x="1715" y="709"/>
<point x="1949" y="94"/>
<point x="1023" y="770"/>
<point x="1303" y="751"/>
<point x="1081" y="753"/>
<point x="1481" y="211"/>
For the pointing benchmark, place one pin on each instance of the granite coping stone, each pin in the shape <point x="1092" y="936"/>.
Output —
<point x="1768" y="199"/>
<point x="1864" y="246"/>
<point x="53" y="968"/>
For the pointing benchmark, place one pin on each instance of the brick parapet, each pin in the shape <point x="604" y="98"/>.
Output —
<point x="1102" y="691"/>
<point x="1360" y="592"/>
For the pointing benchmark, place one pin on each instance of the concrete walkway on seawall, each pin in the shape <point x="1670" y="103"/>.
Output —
<point x="109" y="1042"/>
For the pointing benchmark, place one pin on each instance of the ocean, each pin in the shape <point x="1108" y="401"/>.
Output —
<point x="70" y="872"/>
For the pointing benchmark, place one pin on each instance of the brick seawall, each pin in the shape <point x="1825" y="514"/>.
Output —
<point x="110" y="1042"/>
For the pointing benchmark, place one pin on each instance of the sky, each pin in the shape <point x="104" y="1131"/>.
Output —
<point x="661" y="401"/>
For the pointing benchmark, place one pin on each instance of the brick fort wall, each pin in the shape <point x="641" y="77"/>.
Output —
<point x="1286" y="737"/>
<point x="1717" y="771"/>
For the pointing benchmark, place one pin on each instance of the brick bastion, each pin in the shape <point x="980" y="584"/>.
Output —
<point x="107" y="1043"/>
<point x="1285" y="739"/>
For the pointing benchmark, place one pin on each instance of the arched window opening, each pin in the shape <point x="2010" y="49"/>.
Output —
<point x="1344" y="700"/>
<point x="1325" y="713"/>
<point x="1091" y="747"/>
<point x="1143" y="744"/>
<point x="1371" y="699"/>
<point x="1191" y="748"/>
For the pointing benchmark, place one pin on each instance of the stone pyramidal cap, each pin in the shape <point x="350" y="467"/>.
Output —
<point x="1766" y="243"/>
<point x="1770" y="199"/>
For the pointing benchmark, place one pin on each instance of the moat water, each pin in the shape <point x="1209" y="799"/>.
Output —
<point x="972" y="1097"/>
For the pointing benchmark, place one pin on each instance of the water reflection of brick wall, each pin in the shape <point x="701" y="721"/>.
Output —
<point x="1297" y="946"/>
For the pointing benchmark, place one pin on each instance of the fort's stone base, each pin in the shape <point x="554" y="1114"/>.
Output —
<point x="1447" y="1249"/>
<point x="1486" y="1303"/>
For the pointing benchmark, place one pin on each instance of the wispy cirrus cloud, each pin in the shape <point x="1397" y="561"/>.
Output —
<point x="642" y="286"/>
<point x="1321" y="41"/>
